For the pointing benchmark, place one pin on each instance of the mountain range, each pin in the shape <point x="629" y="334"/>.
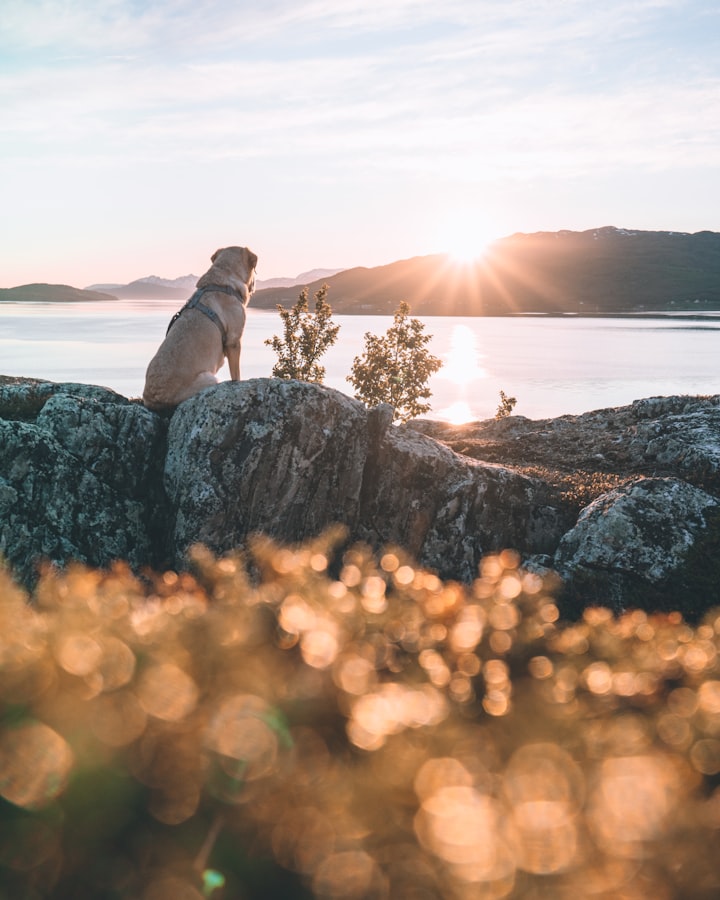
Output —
<point x="153" y="288"/>
<point x="602" y="271"/>
<point x="597" y="272"/>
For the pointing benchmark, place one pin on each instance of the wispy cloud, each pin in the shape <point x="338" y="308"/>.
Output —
<point x="490" y="108"/>
<point x="354" y="93"/>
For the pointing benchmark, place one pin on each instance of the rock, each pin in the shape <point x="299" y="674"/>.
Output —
<point x="21" y="399"/>
<point x="282" y="457"/>
<point x="447" y="510"/>
<point x="289" y="459"/>
<point x="651" y="544"/>
<point x="80" y="477"/>
<point x="658" y="436"/>
<point x="86" y="474"/>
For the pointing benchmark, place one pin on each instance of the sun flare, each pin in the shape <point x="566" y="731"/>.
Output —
<point x="457" y="413"/>
<point x="464" y="238"/>
<point x="466" y="249"/>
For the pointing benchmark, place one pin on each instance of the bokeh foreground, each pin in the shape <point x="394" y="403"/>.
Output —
<point x="276" y="725"/>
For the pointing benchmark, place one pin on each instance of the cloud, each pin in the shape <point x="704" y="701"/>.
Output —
<point x="352" y="104"/>
<point x="183" y="28"/>
<point x="483" y="102"/>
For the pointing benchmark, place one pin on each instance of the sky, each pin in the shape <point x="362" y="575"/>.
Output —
<point x="138" y="137"/>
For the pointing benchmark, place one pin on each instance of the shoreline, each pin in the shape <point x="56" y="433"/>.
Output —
<point x="691" y="315"/>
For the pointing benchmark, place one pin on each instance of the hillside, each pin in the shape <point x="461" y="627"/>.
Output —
<point x="147" y="290"/>
<point x="51" y="293"/>
<point x="154" y="288"/>
<point x="604" y="271"/>
<point x="598" y="272"/>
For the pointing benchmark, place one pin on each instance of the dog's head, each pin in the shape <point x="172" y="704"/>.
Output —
<point x="234" y="267"/>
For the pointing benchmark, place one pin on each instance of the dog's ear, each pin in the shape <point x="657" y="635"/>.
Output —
<point x="252" y="259"/>
<point x="216" y="254"/>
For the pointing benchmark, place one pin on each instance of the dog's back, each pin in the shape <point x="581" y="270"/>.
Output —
<point x="184" y="365"/>
<point x="203" y="334"/>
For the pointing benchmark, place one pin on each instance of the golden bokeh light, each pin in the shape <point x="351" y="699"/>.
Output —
<point x="326" y="722"/>
<point x="350" y="875"/>
<point x="167" y="692"/>
<point x="35" y="763"/>
<point x="631" y="802"/>
<point x="241" y="731"/>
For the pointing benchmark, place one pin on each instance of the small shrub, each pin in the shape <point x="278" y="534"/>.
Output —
<point x="395" y="368"/>
<point x="507" y="404"/>
<point x="307" y="336"/>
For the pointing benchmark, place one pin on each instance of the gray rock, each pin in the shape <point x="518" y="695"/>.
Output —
<point x="282" y="457"/>
<point x="658" y="436"/>
<point x="79" y="477"/>
<point x="290" y="459"/>
<point x="649" y="543"/>
<point x="86" y="474"/>
<point x="448" y="510"/>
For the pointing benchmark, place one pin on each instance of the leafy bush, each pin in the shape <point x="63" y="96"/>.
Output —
<point x="506" y="406"/>
<point x="287" y="725"/>
<point x="395" y="368"/>
<point x="307" y="336"/>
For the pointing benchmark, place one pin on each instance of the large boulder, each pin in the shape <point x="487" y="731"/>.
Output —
<point x="651" y="543"/>
<point x="447" y="510"/>
<point x="289" y="459"/>
<point x="282" y="457"/>
<point x="80" y="477"/>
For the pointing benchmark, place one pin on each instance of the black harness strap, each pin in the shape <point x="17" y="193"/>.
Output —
<point x="195" y="303"/>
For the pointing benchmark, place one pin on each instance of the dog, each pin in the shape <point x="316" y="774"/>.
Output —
<point x="205" y="331"/>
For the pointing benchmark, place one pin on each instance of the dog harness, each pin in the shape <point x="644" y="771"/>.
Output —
<point x="195" y="303"/>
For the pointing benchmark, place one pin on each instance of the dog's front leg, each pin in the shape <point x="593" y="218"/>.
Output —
<point x="232" y="351"/>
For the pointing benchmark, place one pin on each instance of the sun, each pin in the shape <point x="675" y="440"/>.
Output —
<point x="464" y="237"/>
<point x="467" y="248"/>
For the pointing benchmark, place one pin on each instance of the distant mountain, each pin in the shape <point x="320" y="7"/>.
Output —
<point x="51" y="293"/>
<point x="184" y="282"/>
<point x="105" y="288"/>
<point x="154" y="288"/>
<point x="302" y="279"/>
<point x="148" y="290"/>
<point x="603" y="271"/>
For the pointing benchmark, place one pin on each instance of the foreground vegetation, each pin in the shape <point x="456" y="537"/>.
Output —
<point x="311" y="723"/>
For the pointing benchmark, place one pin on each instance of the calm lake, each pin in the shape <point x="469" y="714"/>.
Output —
<point x="552" y="366"/>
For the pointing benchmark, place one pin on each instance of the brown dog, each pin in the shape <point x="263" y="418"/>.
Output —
<point x="205" y="331"/>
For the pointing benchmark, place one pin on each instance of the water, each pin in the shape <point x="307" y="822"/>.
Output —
<point x="552" y="366"/>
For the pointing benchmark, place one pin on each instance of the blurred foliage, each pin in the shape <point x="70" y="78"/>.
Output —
<point x="306" y="337"/>
<point x="313" y="722"/>
<point x="396" y="367"/>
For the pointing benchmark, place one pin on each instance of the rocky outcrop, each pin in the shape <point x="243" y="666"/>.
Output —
<point x="644" y="545"/>
<point x="658" y="436"/>
<point x="623" y="503"/>
<point x="290" y="459"/>
<point x="80" y="477"/>
<point x="641" y="482"/>
<point x="90" y="476"/>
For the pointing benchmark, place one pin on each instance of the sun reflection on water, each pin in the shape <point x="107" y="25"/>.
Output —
<point x="462" y="363"/>
<point x="462" y="366"/>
